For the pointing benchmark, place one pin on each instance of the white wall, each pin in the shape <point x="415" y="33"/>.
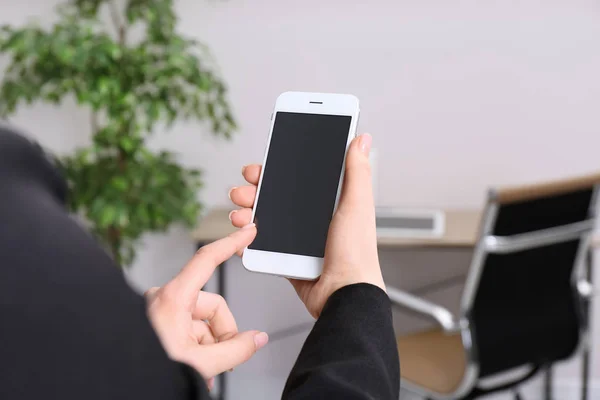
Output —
<point x="459" y="95"/>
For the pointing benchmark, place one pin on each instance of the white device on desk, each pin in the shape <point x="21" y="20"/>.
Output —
<point x="407" y="223"/>
<point x="300" y="183"/>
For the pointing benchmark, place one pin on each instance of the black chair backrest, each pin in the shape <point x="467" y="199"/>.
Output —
<point x="525" y="309"/>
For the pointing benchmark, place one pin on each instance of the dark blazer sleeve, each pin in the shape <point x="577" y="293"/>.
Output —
<point x="351" y="352"/>
<point x="70" y="326"/>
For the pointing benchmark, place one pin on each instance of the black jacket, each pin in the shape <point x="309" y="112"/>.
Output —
<point x="72" y="329"/>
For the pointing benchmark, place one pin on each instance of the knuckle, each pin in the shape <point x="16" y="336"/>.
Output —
<point x="169" y="294"/>
<point x="226" y="336"/>
<point x="364" y="167"/>
<point x="203" y="250"/>
<point x="220" y="300"/>
<point x="219" y="306"/>
<point x="151" y="291"/>
<point x="206" y="253"/>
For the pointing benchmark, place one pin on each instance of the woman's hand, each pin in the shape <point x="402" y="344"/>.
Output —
<point x="351" y="252"/>
<point x="196" y="327"/>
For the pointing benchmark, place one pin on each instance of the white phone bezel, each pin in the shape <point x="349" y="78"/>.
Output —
<point x="295" y="265"/>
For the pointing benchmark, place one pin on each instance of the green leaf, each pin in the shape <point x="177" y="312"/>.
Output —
<point x="103" y="85"/>
<point x="127" y="143"/>
<point x="108" y="216"/>
<point x="66" y="54"/>
<point x="210" y="108"/>
<point x="120" y="183"/>
<point x="122" y="217"/>
<point x="115" y="52"/>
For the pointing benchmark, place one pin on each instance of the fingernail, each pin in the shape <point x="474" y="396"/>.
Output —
<point x="231" y="214"/>
<point x="260" y="340"/>
<point x="250" y="225"/>
<point x="243" y="169"/>
<point x="365" y="143"/>
<point x="231" y="190"/>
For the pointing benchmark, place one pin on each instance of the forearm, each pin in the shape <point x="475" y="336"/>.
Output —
<point x="351" y="352"/>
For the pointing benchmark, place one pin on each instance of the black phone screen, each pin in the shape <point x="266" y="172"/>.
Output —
<point x="300" y="183"/>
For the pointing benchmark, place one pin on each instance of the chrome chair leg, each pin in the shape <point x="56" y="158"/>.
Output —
<point x="548" y="393"/>
<point x="585" y="372"/>
<point x="585" y="357"/>
<point x="518" y="395"/>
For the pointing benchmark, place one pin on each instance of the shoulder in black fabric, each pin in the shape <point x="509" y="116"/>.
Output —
<point x="22" y="155"/>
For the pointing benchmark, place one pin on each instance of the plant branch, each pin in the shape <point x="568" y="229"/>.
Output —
<point x="122" y="31"/>
<point x="94" y="122"/>
<point x="118" y="22"/>
<point x="114" y="238"/>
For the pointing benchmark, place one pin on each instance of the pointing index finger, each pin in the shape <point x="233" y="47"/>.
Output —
<point x="198" y="271"/>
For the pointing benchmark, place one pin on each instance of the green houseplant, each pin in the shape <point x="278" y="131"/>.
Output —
<point x="131" y="88"/>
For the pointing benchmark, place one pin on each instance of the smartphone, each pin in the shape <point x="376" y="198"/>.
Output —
<point x="300" y="182"/>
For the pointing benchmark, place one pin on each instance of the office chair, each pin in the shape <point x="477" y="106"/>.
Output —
<point x="526" y="297"/>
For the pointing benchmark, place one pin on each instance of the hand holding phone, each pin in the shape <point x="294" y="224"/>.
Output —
<point x="351" y="250"/>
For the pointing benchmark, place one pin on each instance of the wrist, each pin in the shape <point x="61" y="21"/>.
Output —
<point x="360" y="297"/>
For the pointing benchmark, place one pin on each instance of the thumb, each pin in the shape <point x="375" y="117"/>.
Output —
<point x="214" y="359"/>
<point x="357" y="190"/>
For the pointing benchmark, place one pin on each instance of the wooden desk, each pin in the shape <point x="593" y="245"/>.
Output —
<point x="461" y="230"/>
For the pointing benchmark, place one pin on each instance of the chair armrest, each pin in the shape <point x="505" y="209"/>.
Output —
<point x="421" y="306"/>
<point x="585" y="289"/>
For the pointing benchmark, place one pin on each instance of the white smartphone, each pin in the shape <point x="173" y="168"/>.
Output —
<point x="300" y="182"/>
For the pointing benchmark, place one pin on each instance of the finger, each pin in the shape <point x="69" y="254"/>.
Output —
<point x="302" y="288"/>
<point x="229" y="354"/>
<point x="213" y="308"/>
<point x="357" y="191"/>
<point x="202" y="332"/>
<point x="187" y="284"/>
<point x="240" y="218"/>
<point x="210" y="383"/>
<point x="251" y="173"/>
<point x="243" y="196"/>
<point x="150" y="294"/>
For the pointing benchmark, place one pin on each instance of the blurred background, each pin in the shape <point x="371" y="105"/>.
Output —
<point x="459" y="96"/>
